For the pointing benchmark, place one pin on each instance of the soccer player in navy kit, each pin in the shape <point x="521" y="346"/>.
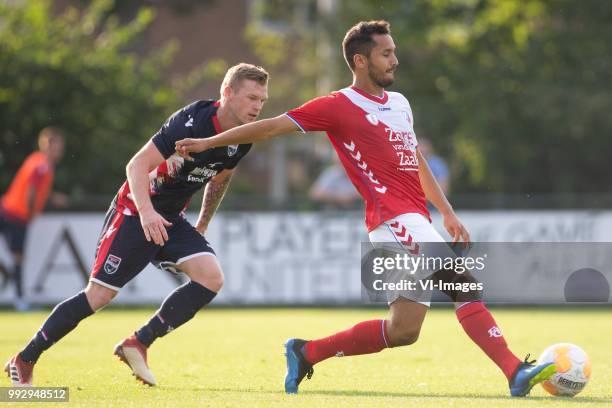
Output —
<point x="372" y="132"/>
<point x="145" y="223"/>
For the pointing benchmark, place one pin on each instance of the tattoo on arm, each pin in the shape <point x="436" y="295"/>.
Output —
<point x="213" y="194"/>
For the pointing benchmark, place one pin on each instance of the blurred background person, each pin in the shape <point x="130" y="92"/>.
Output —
<point x="437" y="164"/>
<point x="333" y="188"/>
<point x="26" y="197"/>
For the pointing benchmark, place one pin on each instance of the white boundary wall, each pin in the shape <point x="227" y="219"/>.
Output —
<point x="270" y="258"/>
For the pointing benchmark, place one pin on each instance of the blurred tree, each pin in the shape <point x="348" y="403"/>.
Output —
<point x="514" y="92"/>
<point x="526" y="83"/>
<point x="73" y="71"/>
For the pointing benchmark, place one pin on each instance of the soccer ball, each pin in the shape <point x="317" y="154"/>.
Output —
<point x="573" y="369"/>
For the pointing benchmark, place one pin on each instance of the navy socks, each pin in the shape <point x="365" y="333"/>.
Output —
<point x="179" y="307"/>
<point x="62" y="320"/>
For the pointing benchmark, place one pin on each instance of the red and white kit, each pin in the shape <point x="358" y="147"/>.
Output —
<point x="376" y="143"/>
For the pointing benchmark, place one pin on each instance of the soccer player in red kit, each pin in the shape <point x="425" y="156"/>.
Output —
<point x="372" y="133"/>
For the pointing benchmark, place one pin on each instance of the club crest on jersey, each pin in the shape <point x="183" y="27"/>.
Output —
<point x="189" y="123"/>
<point x="372" y="118"/>
<point x="231" y="150"/>
<point x="112" y="264"/>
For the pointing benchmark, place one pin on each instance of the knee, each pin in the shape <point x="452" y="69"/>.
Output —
<point x="204" y="270"/>
<point x="215" y="283"/>
<point x="98" y="296"/>
<point x="403" y="334"/>
<point x="211" y="281"/>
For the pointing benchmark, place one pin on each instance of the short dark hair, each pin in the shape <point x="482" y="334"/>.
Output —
<point x="358" y="39"/>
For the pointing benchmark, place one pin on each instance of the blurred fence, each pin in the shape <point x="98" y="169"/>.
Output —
<point x="474" y="201"/>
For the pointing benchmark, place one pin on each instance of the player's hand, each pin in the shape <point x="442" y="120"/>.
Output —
<point x="154" y="226"/>
<point x="185" y="146"/>
<point x="456" y="229"/>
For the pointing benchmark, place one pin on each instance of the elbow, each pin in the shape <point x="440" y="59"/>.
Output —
<point x="131" y="167"/>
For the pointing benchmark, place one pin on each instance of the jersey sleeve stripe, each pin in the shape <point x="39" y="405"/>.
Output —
<point x="296" y="122"/>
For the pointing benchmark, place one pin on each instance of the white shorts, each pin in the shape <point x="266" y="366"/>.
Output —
<point x="417" y="226"/>
<point x="406" y="232"/>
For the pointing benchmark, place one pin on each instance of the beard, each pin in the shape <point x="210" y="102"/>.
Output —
<point x="378" y="77"/>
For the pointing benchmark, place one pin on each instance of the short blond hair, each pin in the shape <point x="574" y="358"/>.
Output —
<point x="236" y="74"/>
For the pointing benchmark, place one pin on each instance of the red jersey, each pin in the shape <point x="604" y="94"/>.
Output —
<point x="376" y="144"/>
<point x="36" y="175"/>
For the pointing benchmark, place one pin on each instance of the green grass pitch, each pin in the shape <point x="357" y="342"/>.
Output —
<point x="234" y="357"/>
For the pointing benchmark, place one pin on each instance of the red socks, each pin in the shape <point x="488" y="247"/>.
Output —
<point x="371" y="337"/>
<point x="482" y="329"/>
<point x="363" y="338"/>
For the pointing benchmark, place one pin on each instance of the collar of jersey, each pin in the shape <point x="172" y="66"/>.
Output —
<point x="215" y="119"/>
<point x="381" y="100"/>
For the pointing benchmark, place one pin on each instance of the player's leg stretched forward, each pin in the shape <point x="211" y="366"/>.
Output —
<point x="179" y="307"/>
<point x="480" y="326"/>
<point x="402" y="328"/>
<point x="62" y="320"/>
<point x="206" y="280"/>
<point x="121" y="255"/>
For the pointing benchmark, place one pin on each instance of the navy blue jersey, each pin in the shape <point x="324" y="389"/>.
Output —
<point x="173" y="183"/>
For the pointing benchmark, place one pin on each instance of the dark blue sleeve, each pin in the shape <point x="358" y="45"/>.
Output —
<point x="178" y="126"/>
<point x="244" y="149"/>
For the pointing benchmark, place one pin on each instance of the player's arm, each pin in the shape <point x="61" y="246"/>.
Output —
<point x="434" y="194"/>
<point x="248" y="133"/>
<point x="213" y="194"/>
<point x="138" y="169"/>
<point x="34" y="184"/>
<point x="31" y="199"/>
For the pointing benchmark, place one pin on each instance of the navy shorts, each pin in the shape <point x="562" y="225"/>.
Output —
<point x="14" y="232"/>
<point x="123" y="251"/>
